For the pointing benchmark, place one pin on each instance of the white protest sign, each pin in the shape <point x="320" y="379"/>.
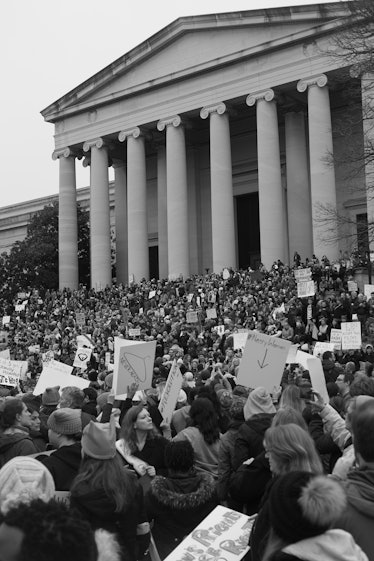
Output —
<point x="48" y="356"/>
<point x="240" y="339"/>
<point x="321" y="346"/>
<point x="80" y="318"/>
<point x="336" y="338"/>
<point x="368" y="289"/>
<point x="56" y="366"/>
<point x="352" y="286"/>
<point x="20" y="368"/>
<point x="190" y="297"/>
<point x="305" y="289"/>
<point x="50" y="378"/>
<point x="291" y="356"/>
<point x="84" y="340"/>
<point x="211" y="313"/>
<point x="192" y="317"/>
<point x="220" y="330"/>
<point x="134" y="332"/>
<point x="133" y="362"/>
<point x="82" y="356"/>
<point x="152" y="294"/>
<point x="6" y="320"/>
<point x="351" y="335"/>
<point x="302" y="275"/>
<point x="222" y="536"/>
<point x="8" y="374"/>
<point x="34" y="349"/>
<point x="263" y="361"/>
<point x="5" y="354"/>
<point x="19" y="307"/>
<point x="225" y="274"/>
<point x="317" y="377"/>
<point x="107" y="358"/>
<point x="171" y="392"/>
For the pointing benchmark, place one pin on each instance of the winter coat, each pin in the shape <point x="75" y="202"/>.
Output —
<point x="14" y="443"/>
<point x="63" y="464"/>
<point x="226" y="459"/>
<point x="333" y="545"/>
<point x="261" y="527"/>
<point x="153" y="454"/>
<point x="248" y="483"/>
<point x="249" y="442"/>
<point x="177" y="505"/>
<point x="206" y="455"/>
<point x="100" y="511"/>
<point x="358" y="517"/>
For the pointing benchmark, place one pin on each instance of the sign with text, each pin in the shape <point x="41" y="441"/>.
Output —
<point x="8" y="373"/>
<point x="82" y="356"/>
<point x="80" y="318"/>
<point x="34" y="349"/>
<point x="317" y="377"/>
<point x="192" y="317"/>
<point x="305" y="289"/>
<point x="6" y="320"/>
<point x="134" y="332"/>
<point x="5" y="354"/>
<point x="368" y="290"/>
<point x="211" y="313"/>
<point x="336" y="338"/>
<point x="133" y="362"/>
<point x="351" y="335"/>
<point x="50" y="378"/>
<point x="171" y="392"/>
<point x="263" y="361"/>
<point x="84" y="340"/>
<point x="240" y="339"/>
<point x="321" y="346"/>
<point x="302" y="275"/>
<point x="352" y="286"/>
<point x="222" y="536"/>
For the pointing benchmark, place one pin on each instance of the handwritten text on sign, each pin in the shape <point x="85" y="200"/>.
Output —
<point x="351" y="335"/>
<point x="171" y="392"/>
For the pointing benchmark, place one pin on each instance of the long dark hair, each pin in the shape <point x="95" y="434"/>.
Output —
<point x="108" y="475"/>
<point x="128" y="432"/>
<point x="204" y="417"/>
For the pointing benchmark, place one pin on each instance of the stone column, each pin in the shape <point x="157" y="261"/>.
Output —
<point x="162" y="213"/>
<point x="367" y="95"/>
<point x="120" y="194"/>
<point x="298" y="192"/>
<point x="137" y="224"/>
<point x="322" y="173"/>
<point x="177" y="200"/>
<point x="269" y="177"/>
<point x="101" y="271"/>
<point x="222" y="200"/>
<point x="67" y="221"/>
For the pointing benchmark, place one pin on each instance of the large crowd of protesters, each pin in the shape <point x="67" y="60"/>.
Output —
<point x="86" y="476"/>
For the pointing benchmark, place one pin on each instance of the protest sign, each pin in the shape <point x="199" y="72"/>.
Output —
<point x="220" y="330"/>
<point x="240" y="339"/>
<point x="48" y="356"/>
<point x="351" y="335"/>
<point x="5" y="354"/>
<point x="134" y="332"/>
<point x="211" y="313"/>
<point x="190" y="297"/>
<point x="305" y="289"/>
<point x="20" y="368"/>
<point x="82" y="356"/>
<point x="152" y="294"/>
<point x="19" y="308"/>
<point x="291" y="356"/>
<point x="8" y="373"/>
<point x="321" y="346"/>
<point x="317" y="377"/>
<point x="34" y="349"/>
<point x="133" y="362"/>
<point x="84" y="340"/>
<point x="352" y="286"/>
<point x="107" y="358"/>
<point x="58" y="374"/>
<point x="336" y="338"/>
<point x="6" y="320"/>
<point x="225" y="274"/>
<point x="3" y="340"/>
<point x="192" y="317"/>
<point x="368" y="289"/>
<point x="171" y="392"/>
<point x="80" y="318"/>
<point x="222" y="536"/>
<point x="303" y="275"/>
<point x="263" y="361"/>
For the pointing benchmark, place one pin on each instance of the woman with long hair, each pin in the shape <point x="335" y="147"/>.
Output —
<point x="108" y="495"/>
<point x="204" y="435"/>
<point x="291" y="397"/>
<point x="141" y="444"/>
<point x="288" y="448"/>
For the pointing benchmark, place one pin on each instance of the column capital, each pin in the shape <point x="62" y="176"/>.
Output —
<point x="62" y="153"/>
<point x="219" y="108"/>
<point x="266" y="95"/>
<point x="320" y="80"/>
<point x="95" y="142"/>
<point x="174" y="120"/>
<point x="135" y="132"/>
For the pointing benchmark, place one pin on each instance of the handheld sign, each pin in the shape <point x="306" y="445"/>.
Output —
<point x="321" y="346"/>
<point x="305" y="289"/>
<point x="80" y="318"/>
<point x="170" y="394"/>
<point x="8" y="373"/>
<point x="351" y="335"/>
<point x="133" y="362"/>
<point x="352" y="286"/>
<point x="211" y="313"/>
<point x="240" y="339"/>
<point x="263" y="361"/>
<point x="82" y="356"/>
<point x="192" y="317"/>
<point x="336" y="338"/>
<point x="317" y="377"/>
<point x="368" y="290"/>
<point x="57" y="373"/>
<point x="84" y="340"/>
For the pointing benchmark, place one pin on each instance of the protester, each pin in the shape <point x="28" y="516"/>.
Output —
<point x="15" y="439"/>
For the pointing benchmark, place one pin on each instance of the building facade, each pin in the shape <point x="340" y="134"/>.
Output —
<point x="221" y="130"/>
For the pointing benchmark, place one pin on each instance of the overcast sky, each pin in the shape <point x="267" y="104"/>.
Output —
<point x="49" y="47"/>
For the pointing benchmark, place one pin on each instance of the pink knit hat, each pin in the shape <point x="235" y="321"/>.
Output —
<point x="99" y="440"/>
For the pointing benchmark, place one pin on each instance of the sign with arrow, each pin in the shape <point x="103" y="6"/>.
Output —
<point x="263" y="361"/>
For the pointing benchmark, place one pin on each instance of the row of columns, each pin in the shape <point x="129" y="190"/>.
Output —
<point x="173" y="232"/>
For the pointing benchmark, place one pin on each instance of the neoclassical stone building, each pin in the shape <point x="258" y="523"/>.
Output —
<point x="220" y="130"/>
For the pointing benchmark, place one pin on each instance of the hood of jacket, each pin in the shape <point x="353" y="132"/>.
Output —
<point x="69" y="455"/>
<point x="360" y="490"/>
<point x="260" y="423"/>
<point x="183" y="493"/>
<point x="333" y="545"/>
<point x="8" y="440"/>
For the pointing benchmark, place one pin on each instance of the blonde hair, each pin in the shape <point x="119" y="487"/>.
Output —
<point x="292" y="449"/>
<point x="291" y="398"/>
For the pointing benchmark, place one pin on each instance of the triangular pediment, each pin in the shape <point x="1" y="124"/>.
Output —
<point x="195" y="44"/>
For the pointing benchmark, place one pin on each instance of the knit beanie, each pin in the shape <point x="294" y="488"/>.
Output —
<point x="23" y="479"/>
<point x="224" y="397"/>
<point x="236" y="408"/>
<point x="65" y="421"/>
<point x="259" y="401"/>
<point x="102" y="400"/>
<point x="302" y="505"/>
<point x="51" y="396"/>
<point x="99" y="440"/>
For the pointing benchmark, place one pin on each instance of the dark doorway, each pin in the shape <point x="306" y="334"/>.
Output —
<point x="153" y="262"/>
<point x="248" y="225"/>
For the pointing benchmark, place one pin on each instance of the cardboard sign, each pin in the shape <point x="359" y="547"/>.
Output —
<point x="240" y="339"/>
<point x="82" y="356"/>
<point x="317" y="377"/>
<point x="6" y="320"/>
<point x="303" y="275"/>
<point x="368" y="289"/>
<point x="351" y="335"/>
<point x="84" y="340"/>
<point x="80" y="318"/>
<point x="211" y="313"/>
<point x="291" y="356"/>
<point x="8" y="373"/>
<point x="321" y="346"/>
<point x="222" y="536"/>
<point x="192" y="317"/>
<point x="336" y="338"/>
<point x="170" y="394"/>
<point x="263" y="361"/>
<point x="20" y="368"/>
<point x="305" y="289"/>
<point x="352" y="286"/>
<point x="58" y="374"/>
<point x="134" y="332"/>
<point x="133" y="362"/>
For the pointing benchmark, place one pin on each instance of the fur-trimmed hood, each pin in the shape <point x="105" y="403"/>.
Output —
<point x="183" y="493"/>
<point x="107" y="546"/>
